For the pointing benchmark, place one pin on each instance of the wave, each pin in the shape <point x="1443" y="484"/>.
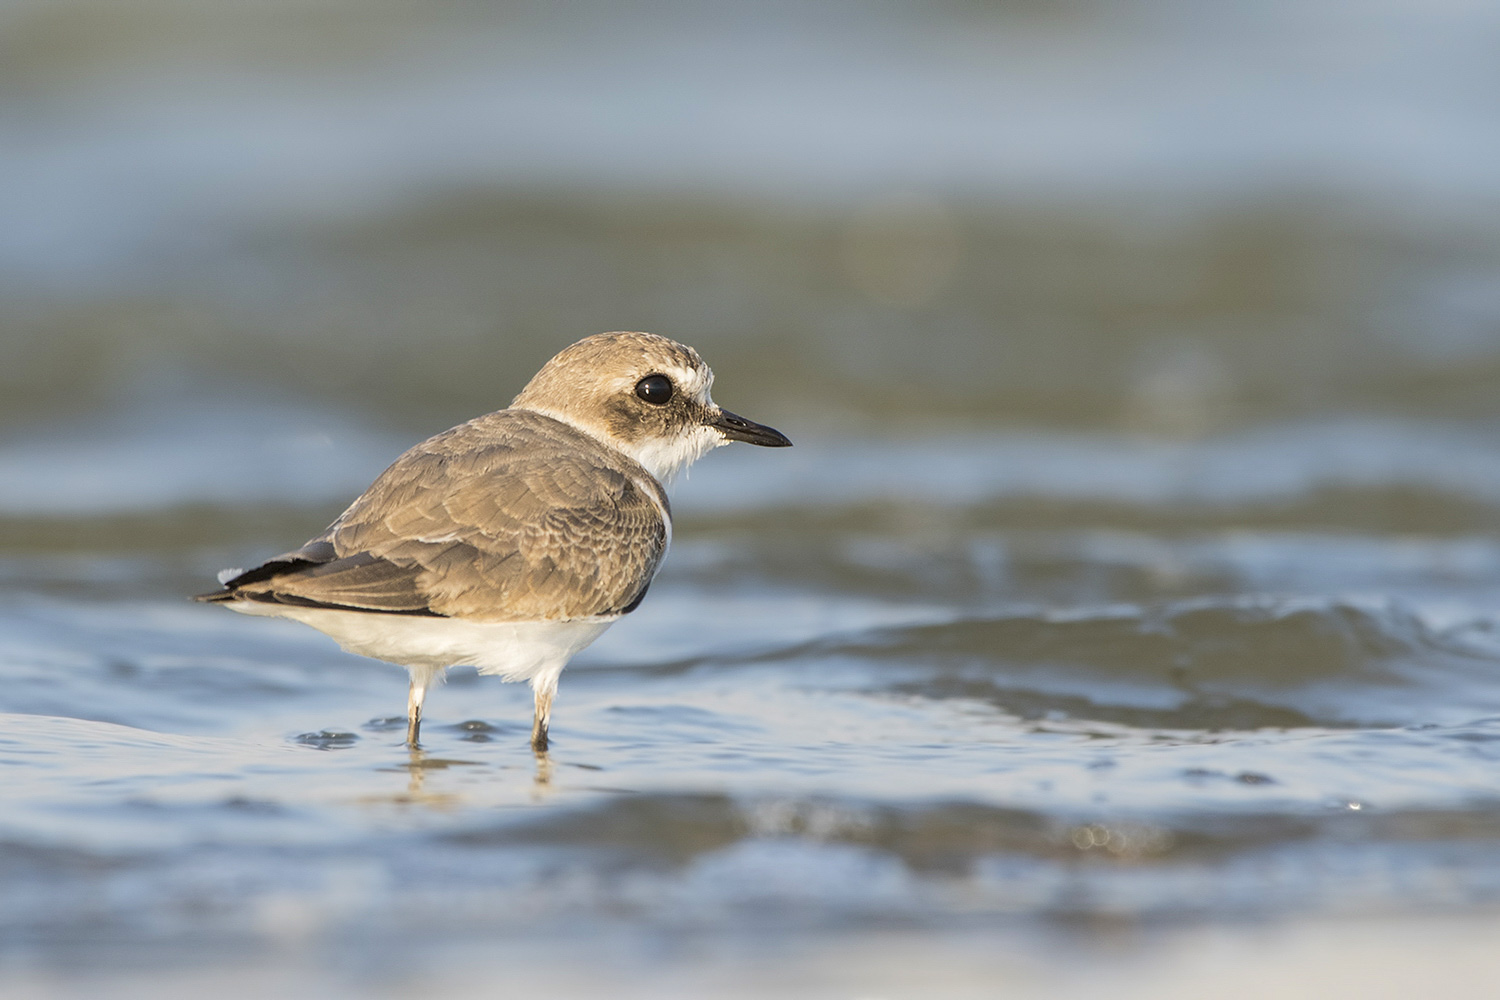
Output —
<point x="1242" y="663"/>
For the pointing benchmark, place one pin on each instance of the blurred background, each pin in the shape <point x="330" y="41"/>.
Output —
<point x="1121" y="342"/>
<point x="1170" y="218"/>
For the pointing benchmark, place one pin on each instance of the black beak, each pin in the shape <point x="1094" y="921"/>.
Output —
<point x="737" y="428"/>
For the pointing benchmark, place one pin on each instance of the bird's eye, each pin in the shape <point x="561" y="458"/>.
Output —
<point x="655" y="389"/>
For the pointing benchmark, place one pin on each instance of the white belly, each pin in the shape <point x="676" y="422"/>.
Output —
<point x="516" y="651"/>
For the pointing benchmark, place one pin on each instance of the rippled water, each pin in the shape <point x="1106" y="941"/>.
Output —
<point x="1125" y="618"/>
<point x="839" y="713"/>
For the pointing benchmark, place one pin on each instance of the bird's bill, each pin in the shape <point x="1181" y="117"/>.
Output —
<point x="736" y="428"/>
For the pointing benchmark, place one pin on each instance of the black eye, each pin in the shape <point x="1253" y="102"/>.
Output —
<point x="656" y="389"/>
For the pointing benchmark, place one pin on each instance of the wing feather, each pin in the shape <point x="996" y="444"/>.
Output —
<point x="511" y="517"/>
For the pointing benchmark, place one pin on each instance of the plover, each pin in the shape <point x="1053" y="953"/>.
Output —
<point x="511" y="542"/>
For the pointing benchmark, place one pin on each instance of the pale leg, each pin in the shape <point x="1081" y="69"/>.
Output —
<point x="421" y="680"/>
<point x="543" y="685"/>
<point x="543" y="716"/>
<point x="414" y="699"/>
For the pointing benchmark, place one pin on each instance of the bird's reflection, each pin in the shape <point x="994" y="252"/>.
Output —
<point x="419" y="764"/>
<point x="541" y="782"/>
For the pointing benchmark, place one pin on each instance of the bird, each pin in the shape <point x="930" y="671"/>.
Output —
<point x="511" y="542"/>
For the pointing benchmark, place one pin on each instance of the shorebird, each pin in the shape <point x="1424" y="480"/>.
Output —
<point x="511" y="542"/>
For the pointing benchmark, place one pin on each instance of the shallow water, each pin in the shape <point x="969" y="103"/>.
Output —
<point x="837" y="714"/>
<point x="1125" y="617"/>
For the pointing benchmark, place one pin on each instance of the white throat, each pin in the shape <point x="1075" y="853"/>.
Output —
<point x="665" y="457"/>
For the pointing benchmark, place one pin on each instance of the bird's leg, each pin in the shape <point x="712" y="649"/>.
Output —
<point x="543" y="715"/>
<point x="414" y="699"/>
<point x="422" y="678"/>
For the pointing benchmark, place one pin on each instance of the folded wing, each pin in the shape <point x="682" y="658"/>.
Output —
<point x="511" y="517"/>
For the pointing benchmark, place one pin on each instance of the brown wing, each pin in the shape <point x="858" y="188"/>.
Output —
<point x="511" y="517"/>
